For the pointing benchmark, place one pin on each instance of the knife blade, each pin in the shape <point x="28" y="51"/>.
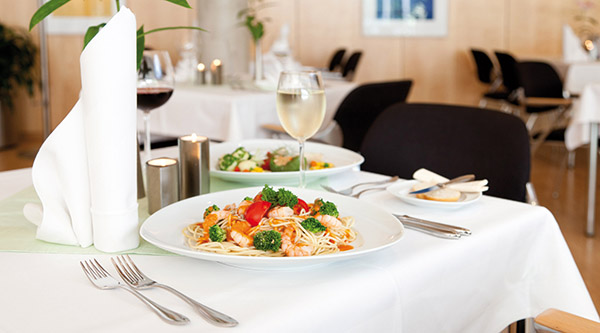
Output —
<point x="460" y="179"/>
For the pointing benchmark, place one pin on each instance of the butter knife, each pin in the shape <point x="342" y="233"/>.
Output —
<point x="434" y="231"/>
<point x="415" y="220"/>
<point x="460" y="179"/>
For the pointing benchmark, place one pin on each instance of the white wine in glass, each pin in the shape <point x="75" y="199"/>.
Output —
<point x="301" y="108"/>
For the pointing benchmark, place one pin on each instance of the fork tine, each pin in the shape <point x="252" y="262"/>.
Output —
<point x="120" y="271"/>
<point x="88" y="273"/>
<point x="127" y="269"/>
<point x="135" y="268"/>
<point x="90" y="265"/>
<point x="103" y="272"/>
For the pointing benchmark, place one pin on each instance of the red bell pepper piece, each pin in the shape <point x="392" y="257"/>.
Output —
<point x="300" y="206"/>
<point x="256" y="211"/>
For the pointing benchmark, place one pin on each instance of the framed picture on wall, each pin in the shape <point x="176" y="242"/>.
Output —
<point x="76" y="16"/>
<point x="412" y="18"/>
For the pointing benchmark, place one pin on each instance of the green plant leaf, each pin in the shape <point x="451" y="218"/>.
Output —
<point x="91" y="32"/>
<point x="173" y="28"/>
<point x="45" y="10"/>
<point x="140" y="44"/>
<point x="182" y="3"/>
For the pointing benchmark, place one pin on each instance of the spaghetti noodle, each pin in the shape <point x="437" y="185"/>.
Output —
<point x="278" y="230"/>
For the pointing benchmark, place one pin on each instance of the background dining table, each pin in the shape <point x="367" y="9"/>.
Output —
<point x="230" y="112"/>
<point x="515" y="265"/>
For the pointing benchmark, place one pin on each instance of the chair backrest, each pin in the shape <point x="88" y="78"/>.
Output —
<point x="508" y="68"/>
<point x="451" y="140"/>
<point x="484" y="65"/>
<point x="336" y="59"/>
<point x="362" y="105"/>
<point x="539" y="79"/>
<point x="351" y="64"/>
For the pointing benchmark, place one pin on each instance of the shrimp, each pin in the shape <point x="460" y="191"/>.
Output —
<point x="290" y="248"/>
<point x="239" y="233"/>
<point x="243" y="207"/>
<point x="215" y="217"/>
<point x="281" y="212"/>
<point x="329" y="221"/>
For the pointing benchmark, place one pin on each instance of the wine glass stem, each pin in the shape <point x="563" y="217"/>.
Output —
<point x="302" y="164"/>
<point x="147" y="140"/>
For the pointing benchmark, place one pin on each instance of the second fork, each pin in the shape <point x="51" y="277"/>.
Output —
<point x="134" y="277"/>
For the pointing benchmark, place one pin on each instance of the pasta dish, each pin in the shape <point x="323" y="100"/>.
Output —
<point x="273" y="223"/>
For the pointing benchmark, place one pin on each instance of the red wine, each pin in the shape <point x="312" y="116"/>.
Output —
<point x="151" y="98"/>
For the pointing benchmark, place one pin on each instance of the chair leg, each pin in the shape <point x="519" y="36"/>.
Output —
<point x="483" y="103"/>
<point x="571" y="159"/>
<point x="531" y="121"/>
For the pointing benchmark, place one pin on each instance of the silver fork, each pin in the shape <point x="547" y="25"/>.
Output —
<point x="103" y="280"/>
<point x="348" y="191"/>
<point x="134" y="277"/>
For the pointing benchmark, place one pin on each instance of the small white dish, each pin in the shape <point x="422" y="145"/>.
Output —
<point x="342" y="159"/>
<point x="377" y="229"/>
<point x="401" y="190"/>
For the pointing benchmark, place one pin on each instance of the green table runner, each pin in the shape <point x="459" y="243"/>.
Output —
<point x="17" y="234"/>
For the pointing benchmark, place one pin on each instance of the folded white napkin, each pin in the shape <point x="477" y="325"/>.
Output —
<point x="573" y="50"/>
<point x="431" y="178"/>
<point x="85" y="172"/>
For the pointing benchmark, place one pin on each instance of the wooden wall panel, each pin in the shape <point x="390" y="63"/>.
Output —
<point x="441" y="68"/>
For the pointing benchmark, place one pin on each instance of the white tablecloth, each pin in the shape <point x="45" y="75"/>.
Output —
<point x="224" y="113"/>
<point x="587" y="112"/>
<point x="515" y="265"/>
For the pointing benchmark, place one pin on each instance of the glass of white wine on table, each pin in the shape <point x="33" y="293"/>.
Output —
<point x="301" y="108"/>
<point x="155" y="83"/>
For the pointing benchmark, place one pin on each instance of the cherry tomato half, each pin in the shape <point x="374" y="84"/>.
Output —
<point x="301" y="205"/>
<point x="256" y="211"/>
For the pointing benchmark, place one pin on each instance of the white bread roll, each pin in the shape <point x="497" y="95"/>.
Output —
<point x="426" y="176"/>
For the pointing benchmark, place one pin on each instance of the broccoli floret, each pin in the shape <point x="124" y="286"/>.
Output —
<point x="210" y="209"/>
<point x="241" y="154"/>
<point x="248" y="199"/>
<point x="228" y="162"/>
<point x="281" y="197"/>
<point x="313" y="225"/>
<point x="325" y="208"/>
<point x="268" y="240"/>
<point x="216" y="233"/>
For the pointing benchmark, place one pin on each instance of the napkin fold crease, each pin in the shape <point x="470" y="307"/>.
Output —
<point x="85" y="171"/>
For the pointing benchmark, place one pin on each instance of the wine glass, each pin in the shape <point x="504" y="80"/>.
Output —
<point x="155" y="85"/>
<point x="301" y="108"/>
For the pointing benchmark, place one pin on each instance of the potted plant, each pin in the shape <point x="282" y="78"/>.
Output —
<point x="17" y="62"/>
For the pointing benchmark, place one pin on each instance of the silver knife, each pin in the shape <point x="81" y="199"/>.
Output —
<point x="438" y="232"/>
<point x="460" y="179"/>
<point x="415" y="220"/>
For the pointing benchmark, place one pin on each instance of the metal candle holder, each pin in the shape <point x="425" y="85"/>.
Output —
<point x="163" y="183"/>
<point x="194" y="167"/>
<point x="216" y="70"/>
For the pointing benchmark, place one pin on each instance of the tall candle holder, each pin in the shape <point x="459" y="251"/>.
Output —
<point x="201" y="75"/>
<point x="216" y="70"/>
<point x="163" y="183"/>
<point x="194" y="167"/>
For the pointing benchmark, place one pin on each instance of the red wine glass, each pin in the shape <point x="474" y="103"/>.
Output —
<point x="155" y="85"/>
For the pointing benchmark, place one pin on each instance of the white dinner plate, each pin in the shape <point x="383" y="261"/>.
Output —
<point x="401" y="190"/>
<point x="342" y="159"/>
<point x="377" y="229"/>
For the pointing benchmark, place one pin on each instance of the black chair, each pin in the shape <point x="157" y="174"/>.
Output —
<point x="542" y="93"/>
<point x="489" y="75"/>
<point x="451" y="141"/>
<point x="362" y="105"/>
<point x="336" y="60"/>
<point x="351" y="65"/>
<point x="510" y="74"/>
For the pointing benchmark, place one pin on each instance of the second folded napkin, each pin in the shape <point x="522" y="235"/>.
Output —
<point x="85" y="172"/>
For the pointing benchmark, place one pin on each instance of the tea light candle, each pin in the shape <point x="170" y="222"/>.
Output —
<point x="163" y="183"/>
<point x="194" y="167"/>
<point x="201" y="75"/>
<point x="216" y="69"/>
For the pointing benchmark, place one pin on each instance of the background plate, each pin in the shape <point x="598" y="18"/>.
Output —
<point x="343" y="159"/>
<point x="401" y="190"/>
<point x="377" y="228"/>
